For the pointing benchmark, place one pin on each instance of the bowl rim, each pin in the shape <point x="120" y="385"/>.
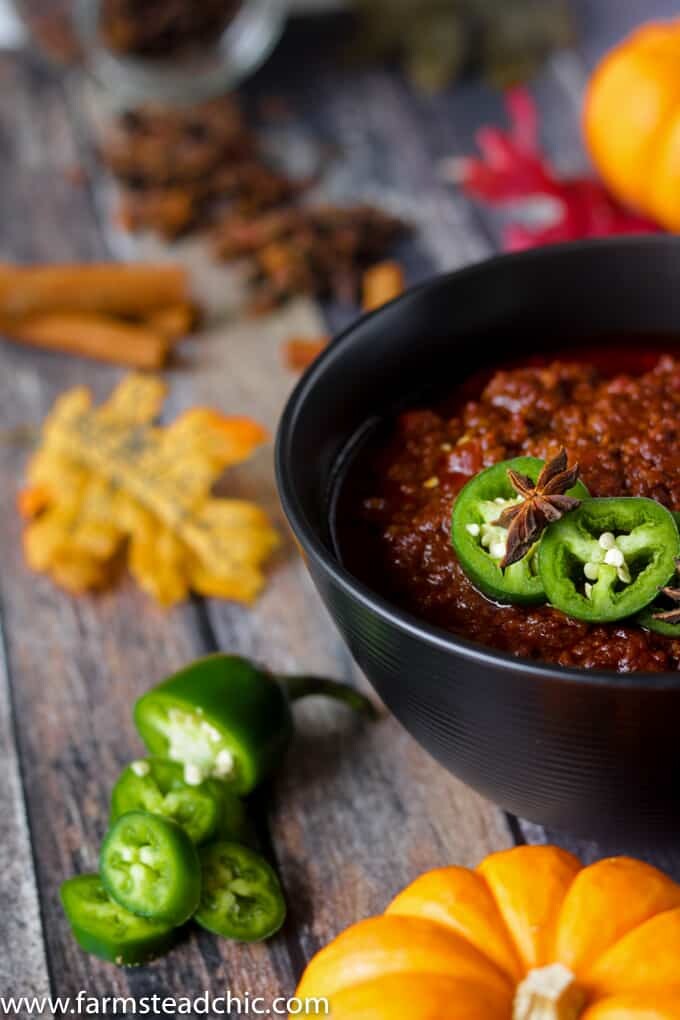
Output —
<point x="402" y="619"/>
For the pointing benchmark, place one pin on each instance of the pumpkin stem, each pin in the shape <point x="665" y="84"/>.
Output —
<point x="549" y="993"/>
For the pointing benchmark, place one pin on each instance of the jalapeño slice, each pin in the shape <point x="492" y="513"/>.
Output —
<point x="158" y="786"/>
<point x="222" y="717"/>
<point x="607" y="559"/>
<point x="105" y="929"/>
<point x="149" y="865"/>
<point x="662" y="604"/>
<point x="480" y="543"/>
<point x="647" y="619"/>
<point x="242" y="897"/>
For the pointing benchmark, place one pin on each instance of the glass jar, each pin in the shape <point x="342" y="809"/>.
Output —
<point x="167" y="51"/>
<point x="51" y="28"/>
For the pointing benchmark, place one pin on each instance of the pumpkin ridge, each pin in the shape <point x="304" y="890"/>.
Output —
<point x="558" y="914"/>
<point x="655" y="1005"/>
<point x="418" y="995"/>
<point x="423" y="898"/>
<point x="389" y="944"/>
<point x="644" y="959"/>
<point x="529" y="885"/>
<point x="607" y="902"/>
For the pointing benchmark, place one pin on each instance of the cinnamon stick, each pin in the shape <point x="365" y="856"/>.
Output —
<point x="300" y="352"/>
<point x="92" y="336"/>
<point x="173" y="322"/>
<point x="381" y="283"/>
<point x="106" y="288"/>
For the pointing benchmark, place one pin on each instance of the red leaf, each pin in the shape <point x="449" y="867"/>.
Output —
<point x="513" y="167"/>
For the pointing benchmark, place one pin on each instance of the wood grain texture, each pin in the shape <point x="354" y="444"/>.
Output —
<point x="358" y="810"/>
<point x="602" y="25"/>
<point x="23" y="962"/>
<point x="77" y="665"/>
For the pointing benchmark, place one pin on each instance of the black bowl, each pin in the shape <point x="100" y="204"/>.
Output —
<point x="584" y="751"/>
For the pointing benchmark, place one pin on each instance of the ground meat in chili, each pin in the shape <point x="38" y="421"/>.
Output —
<point x="396" y="506"/>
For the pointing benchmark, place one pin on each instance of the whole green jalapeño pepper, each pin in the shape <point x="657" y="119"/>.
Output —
<point x="223" y="717"/>
<point x="608" y="559"/>
<point x="480" y="543"/>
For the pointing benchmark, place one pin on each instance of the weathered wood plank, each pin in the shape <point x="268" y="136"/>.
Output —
<point x="76" y="665"/>
<point x="23" y="963"/>
<point x="359" y="810"/>
<point x="603" y="25"/>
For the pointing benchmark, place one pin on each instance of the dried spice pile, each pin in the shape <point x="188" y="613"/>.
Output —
<point x="160" y="28"/>
<point x="179" y="168"/>
<point x="303" y="250"/>
<point x="136" y="28"/>
<point x="201" y="168"/>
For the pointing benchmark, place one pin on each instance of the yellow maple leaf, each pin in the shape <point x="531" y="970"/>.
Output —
<point x="107" y="485"/>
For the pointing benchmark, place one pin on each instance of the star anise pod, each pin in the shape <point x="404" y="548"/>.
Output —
<point x="542" y="503"/>
<point x="670" y="615"/>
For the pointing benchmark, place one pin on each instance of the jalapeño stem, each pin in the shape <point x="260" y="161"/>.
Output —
<point x="297" y="687"/>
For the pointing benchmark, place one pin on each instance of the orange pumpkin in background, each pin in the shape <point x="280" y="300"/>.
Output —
<point x="632" y="121"/>
<point x="529" y="935"/>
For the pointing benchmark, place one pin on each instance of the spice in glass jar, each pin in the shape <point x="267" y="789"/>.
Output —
<point x="162" y="28"/>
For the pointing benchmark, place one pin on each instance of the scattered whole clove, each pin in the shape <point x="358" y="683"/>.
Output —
<point x="201" y="168"/>
<point x="319" y="251"/>
<point x="179" y="168"/>
<point x="163" y="28"/>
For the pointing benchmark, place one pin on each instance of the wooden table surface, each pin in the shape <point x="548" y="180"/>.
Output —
<point x="359" y="810"/>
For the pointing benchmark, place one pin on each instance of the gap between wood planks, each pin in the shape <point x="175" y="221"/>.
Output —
<point x="22" y="949"/>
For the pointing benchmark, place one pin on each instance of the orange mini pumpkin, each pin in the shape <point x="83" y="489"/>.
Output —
<point x="529" y="935"/>
<point x="632" y="121"/>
